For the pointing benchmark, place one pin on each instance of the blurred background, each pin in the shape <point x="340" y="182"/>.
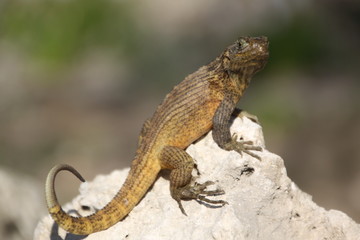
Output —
<point x="79" y="77"/>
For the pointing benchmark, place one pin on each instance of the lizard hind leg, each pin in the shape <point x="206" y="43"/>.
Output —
<point x="181" y="165"/>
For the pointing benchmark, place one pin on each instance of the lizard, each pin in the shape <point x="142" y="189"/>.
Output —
<point x="204" y="100"/>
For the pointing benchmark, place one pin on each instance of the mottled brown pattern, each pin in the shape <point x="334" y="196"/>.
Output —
<point x="204" y="100"/>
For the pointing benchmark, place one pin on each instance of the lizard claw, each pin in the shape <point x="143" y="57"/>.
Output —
<point x="199" y="192"/>
<point x="242" y="146"/>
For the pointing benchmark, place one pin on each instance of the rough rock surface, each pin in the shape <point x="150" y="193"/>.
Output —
<point x="263" y="202"/>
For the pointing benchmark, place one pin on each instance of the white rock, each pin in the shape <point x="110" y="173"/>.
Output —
<point x="263" y="202"/>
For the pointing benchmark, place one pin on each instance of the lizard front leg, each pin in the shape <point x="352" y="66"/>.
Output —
<point x="221" y="129"/>
<point x="181" y="165"/>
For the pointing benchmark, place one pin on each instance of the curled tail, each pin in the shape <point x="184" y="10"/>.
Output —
<point x="50" y="194"/>
<point x="124" y="201"/>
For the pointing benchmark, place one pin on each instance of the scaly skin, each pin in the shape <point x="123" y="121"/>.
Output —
<point x="204" y="100"/>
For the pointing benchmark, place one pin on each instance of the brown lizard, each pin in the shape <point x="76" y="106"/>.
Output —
<point x="204" y="100"/>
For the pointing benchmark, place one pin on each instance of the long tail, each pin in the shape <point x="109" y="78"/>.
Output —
<point x="125" y="200"/>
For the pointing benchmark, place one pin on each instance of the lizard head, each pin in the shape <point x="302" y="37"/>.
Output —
<point x="246" y="56"/>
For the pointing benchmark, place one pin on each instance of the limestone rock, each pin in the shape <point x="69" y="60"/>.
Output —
<point x="263" y="203"/>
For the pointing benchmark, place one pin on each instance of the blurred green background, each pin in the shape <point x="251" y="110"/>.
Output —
<point x="79" y="77"/>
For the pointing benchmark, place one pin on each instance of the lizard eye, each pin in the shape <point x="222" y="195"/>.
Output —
<point x="241" y="44"/>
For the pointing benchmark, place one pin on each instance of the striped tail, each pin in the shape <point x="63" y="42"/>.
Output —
<point x="134" y="188"/>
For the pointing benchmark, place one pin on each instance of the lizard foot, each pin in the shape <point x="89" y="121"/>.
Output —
<point x="242" y="146"/>
<point x="198" y="192"/>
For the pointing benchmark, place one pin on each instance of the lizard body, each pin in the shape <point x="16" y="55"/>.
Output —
<point x="204" y="100"/>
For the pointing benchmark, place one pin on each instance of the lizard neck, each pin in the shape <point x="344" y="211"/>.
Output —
<point x="240" y="80"/>
<point x="244" y="74"/>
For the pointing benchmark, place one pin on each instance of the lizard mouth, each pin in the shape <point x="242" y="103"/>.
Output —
<point x="261" y="44"/>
